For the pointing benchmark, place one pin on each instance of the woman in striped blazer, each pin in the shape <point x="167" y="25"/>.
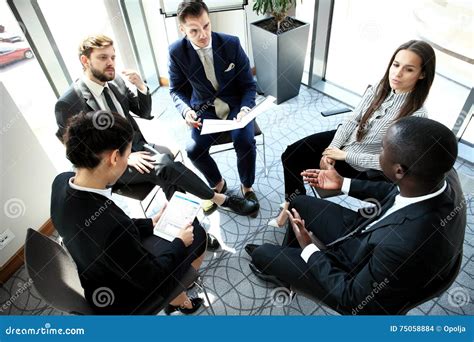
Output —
<point x="353" y="149"/>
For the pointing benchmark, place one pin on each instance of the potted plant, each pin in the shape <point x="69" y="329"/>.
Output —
<point x="279" y="49"/>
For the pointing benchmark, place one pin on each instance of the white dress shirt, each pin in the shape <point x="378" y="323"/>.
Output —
<point x="104" y="192"/>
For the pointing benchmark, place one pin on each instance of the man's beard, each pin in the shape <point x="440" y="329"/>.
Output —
<point x="101" y="76"/>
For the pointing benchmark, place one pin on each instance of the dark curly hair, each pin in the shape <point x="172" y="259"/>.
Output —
<point x="90" y="134"/>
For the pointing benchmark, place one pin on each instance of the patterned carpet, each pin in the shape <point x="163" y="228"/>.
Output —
<point x="233" y="289"/>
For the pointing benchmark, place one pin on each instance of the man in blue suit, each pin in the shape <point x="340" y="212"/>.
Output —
<point x="210" y="78"/>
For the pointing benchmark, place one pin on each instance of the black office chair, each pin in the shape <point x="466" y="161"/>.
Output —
<point x="433" y="290"/>
<point x="56" y="279"/>
<point x="225" y="138"/>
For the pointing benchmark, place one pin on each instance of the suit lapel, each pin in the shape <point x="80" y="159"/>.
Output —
<point x="88" y="97"/>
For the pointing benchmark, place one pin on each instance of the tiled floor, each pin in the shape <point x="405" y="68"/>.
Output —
<point x="233" y="288"/>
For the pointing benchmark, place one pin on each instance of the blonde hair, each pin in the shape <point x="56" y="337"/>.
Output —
<point x="94" y="42"/>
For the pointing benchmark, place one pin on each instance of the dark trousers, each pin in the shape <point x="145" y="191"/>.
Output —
<point x="328" y="222"/>
<point x="171" y="176"/>
<point x="244" y="145"/>
<point x="306" y="154"/>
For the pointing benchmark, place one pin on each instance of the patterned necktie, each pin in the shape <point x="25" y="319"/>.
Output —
<point x="109" y="101"/>
<point x="222" y="109"/>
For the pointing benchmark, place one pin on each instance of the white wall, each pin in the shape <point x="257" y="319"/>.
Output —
<point x="26" y="174"/>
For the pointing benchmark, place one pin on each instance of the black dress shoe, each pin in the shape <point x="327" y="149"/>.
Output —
<point x="250" y="248"/>
<point x="241" y="206"/>
<point x="251" y="196"/>
<point x="212" y="243"/>
<point x="208" y="206"/>
<point x="196" y="304"/>
<point x="266" y="277"/>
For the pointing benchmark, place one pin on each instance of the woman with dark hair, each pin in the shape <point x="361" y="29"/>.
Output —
<point x="118" y="258"/>
<point x="353" y="149"/>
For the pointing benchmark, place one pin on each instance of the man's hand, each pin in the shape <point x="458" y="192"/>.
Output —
<point x="156" y="218"/>
<point x="240" y="115"/>
<point x="141" y="161"/>
<point x="135" y="79"/>
<point x="192" y="120"/>
<point x="186" y="234"/>
<point x="301" y="233"/>
<point x="323" y="179"/>
<point x="335" y="153"/>
<point x="326" y="163"/>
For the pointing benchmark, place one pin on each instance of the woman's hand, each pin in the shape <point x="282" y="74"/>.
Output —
<point x="326" y="163"/>
<point x="186" y="234"/>
<point x="335" y="153"/>
<point x="141" y="161"/>
<point x="156" y="218"/>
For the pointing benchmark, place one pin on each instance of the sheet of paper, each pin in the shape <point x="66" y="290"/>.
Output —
<point x="181" y="210"/>
<point x="210" y="126"/>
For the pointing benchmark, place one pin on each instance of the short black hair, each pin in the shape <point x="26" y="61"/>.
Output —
<point x="90" y="134"/>
<point x="426" y="148"/>
<point x="191" y="8"/>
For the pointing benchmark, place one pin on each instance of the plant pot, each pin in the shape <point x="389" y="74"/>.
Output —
<point x="279" y="59"/>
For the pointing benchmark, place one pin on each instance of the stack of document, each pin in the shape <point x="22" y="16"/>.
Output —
<point x="210" y="126"/>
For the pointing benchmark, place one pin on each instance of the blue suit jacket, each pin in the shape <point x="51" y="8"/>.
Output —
<point x="189" y="86"/>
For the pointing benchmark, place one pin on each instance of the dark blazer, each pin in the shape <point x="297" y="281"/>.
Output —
<point x="189" y="86"/>
<point x="105" y="245"/>
<point x="79" y="98"/>
<point x="391" y="263"/>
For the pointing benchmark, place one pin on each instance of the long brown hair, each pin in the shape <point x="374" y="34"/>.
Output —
<point x="417" y="96"/>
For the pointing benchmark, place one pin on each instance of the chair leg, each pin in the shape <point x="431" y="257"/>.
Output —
<point x="143" y="209"/>
<point x="201" y="286"/>
<point x="264" y="156"/>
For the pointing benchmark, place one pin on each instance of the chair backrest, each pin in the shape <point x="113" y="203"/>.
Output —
<point x="437" y="289"/>
<point x="54" y="274"/>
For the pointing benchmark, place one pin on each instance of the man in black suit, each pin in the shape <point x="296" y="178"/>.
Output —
<point x="99" y="89"/>
<point x="384" y="259"/>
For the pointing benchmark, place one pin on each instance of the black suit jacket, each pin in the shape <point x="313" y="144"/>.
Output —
<point x="79" y="98"/>
<point x="382" y="269"/>
<point x="106" y="247"/>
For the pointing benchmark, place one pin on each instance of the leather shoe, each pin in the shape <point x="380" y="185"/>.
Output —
<point x="251" y="196"/>
<point x="267" y="277"/>
<point x="196" y="304"/>
<point x="242" y="206"/>
<point x="250" y="248"/>
<point x="212" y="243"/>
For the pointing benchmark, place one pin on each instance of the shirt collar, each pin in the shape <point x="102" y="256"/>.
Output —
<point x="104" y="192"/>
<point x="95" y="88"/>
<point x="195" y="47"/>
<point x="404" y="201"/>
